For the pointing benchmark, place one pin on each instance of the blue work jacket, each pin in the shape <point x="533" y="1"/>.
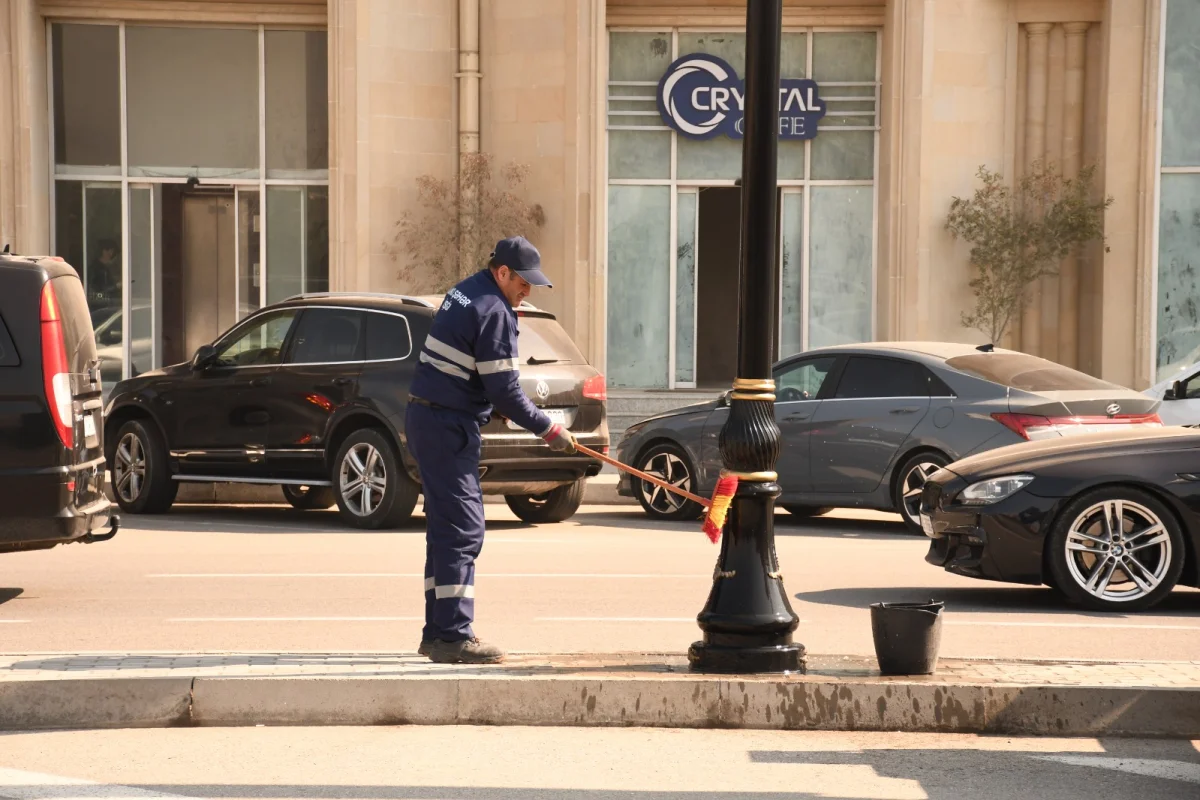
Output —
<point x="469" y="361"/>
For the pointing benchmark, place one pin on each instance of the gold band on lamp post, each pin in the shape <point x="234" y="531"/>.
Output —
<point x="753" y="389"/>
<point x="752" y="477"/>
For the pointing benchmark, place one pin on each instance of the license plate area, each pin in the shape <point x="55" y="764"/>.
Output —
<point x="89" y="430"/>
<point x="559" y="416"/>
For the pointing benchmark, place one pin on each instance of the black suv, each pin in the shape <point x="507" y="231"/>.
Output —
<point x="310" y="394"/>
<point x="51" y="446"/>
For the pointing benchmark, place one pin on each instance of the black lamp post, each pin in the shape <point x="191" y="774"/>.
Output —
<point x="748" y="621"/>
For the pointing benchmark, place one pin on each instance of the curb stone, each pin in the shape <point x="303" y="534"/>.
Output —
<point x="49" y="691"/>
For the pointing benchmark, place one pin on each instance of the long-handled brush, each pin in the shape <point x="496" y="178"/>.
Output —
<point x="717" y="507"/>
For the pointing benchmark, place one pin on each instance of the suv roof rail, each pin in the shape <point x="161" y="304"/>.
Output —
<point x="404" y="298"/>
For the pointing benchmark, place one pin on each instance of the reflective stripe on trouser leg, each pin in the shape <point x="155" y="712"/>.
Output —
<point x="446" y="446"/>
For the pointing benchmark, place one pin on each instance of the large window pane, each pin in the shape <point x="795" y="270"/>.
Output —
<point x="793" y="55"/>
<point x="639" y="219"/>
<point x="249" y="223"/>
<point x="102" y="278"/>
<point x="717" y="158"/>
<point x="142" y="258"/>
<point x="729" y="46"/>
<point x="791" y="317"/>
<point x="68" y="223"/>
<point x="685" y="286"/>
<point x="1178" y="273"/>
<point x="638" y="56"/>
<point x="297" y="241"/>
<point x="639" y="154"/>
<point x="87" y="97"/>
<point x="843" y="155"/>
<point x="842" y="57"/>
<point x="285" y="242"/>
<point x="193" y="101"/>
<point x="297" y="103"/>
<point x="1181" y="90"/>
<point x="840" y="251"/>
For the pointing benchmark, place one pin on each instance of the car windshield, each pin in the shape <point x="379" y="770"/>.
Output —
<point x="543" y="341"/>
<point x="1026" y="372"/>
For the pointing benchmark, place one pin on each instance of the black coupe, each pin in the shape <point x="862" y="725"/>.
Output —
<point x="1110" y="520"/>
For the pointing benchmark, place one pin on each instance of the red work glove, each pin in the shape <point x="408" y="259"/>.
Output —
<point x="560" y="439"/>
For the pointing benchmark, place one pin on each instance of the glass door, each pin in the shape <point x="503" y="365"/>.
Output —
<point x="687" y="217"/>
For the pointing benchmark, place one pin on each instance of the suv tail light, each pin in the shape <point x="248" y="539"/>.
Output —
<point x="595" y="388"/>
<point x="1032" y="427"/>
<point x="55" y="373"/>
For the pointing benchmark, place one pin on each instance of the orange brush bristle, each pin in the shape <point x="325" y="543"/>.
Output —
<point x="714" y="520"/>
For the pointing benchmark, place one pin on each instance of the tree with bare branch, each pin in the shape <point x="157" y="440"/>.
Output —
<point x="1018" y="234"/>
<point x="457" y="222"/>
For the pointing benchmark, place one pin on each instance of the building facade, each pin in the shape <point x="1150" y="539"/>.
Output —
<point x="197" y="160"/>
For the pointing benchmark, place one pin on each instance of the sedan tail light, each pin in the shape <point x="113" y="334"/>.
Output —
<point x="55" y="373"/>
<point x="595" y="388"/>
<point x="1032" y="427"/>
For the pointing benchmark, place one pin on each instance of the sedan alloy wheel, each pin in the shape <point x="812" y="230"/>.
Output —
<point x="129" y="471"/>
<point x="668" y="462"/>
<point x="914" y="474"/>
<point x="1118" y="551"/>
<point x="362" y="479"/>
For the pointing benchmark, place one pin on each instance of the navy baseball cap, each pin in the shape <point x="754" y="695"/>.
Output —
<point x="519" y="255"/>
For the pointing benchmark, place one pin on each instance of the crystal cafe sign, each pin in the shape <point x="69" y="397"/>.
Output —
<point x="700" y="96"/>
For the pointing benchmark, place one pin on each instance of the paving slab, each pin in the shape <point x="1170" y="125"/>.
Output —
<point x="95" y="690"/>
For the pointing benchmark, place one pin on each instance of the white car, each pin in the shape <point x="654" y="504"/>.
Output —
<point x="1179" y="390"/>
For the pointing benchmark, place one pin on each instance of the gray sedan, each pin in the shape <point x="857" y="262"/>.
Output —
<point x="862" y="426"/>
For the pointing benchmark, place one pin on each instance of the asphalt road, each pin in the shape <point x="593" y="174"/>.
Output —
<point x="461" y="763"/>
<point x="273" y="579"/>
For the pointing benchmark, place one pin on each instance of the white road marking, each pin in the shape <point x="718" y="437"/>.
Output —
<point x="1113" y="625"/>
<point x="1148" y="767"/>
<point x="619" y="619"/>
<point x="12" y="621"/>
<point x="296" y="619"/>
<point x="21" y="785"/>
<point x="420" y="575"/>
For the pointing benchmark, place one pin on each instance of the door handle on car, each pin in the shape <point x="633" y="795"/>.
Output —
<point x="260" y="382"/>
<point x="906" y="410"/>
<point x="797" y="416"/>
<point x="342" y="381"/>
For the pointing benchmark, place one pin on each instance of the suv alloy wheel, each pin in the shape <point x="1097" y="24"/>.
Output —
<point x="371" y="487"/>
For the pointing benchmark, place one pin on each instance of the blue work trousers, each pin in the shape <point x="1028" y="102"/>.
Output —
<point x="446" y="446"/>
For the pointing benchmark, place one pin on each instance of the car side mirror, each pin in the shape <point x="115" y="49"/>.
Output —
<point x="204" y="356"/>
<point x="1177" y="391"/>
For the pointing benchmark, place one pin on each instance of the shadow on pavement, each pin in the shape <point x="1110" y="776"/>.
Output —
<point x="989" y="598"/>
<point x="785" y="525"/>
<point x="270" y="520"/>
<point x="9" y="594"/>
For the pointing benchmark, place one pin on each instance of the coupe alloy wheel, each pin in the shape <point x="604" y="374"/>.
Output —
<point x="674" y="471"/>
<point x="914" y="483"/>
<point x="1118" y="551"/>
<point x="129" y="472"/>
<point x="362" y="479"/>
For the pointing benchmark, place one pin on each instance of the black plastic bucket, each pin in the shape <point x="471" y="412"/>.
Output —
<point x="907" y="636"/>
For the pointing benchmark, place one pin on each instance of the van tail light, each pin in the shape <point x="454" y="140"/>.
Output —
<point x="1032" y="427"/>
<point x="55" y="372"/>
<point x="595" y="388"/>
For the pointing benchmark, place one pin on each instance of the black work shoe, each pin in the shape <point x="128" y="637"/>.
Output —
<point x="467" y="651"/>
<point x="426" y="644"/>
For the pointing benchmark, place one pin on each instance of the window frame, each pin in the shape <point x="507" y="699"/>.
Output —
<point x="366" y="321"/>
<point x="237" y="332"/>
<point x="832" y="377"/>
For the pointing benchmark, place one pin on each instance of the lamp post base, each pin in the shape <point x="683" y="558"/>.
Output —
<point x="741" y="659"/>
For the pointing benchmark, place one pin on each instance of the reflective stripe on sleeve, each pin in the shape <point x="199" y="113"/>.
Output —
<point x="453" y="590"/>
<point x="429" y="584"/>
<point x="502" y="365"/>
<point x="444" y="366"/>
<point x="446" y="351"/>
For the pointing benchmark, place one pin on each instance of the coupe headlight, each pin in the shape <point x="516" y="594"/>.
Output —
<point x="994" y="490"/>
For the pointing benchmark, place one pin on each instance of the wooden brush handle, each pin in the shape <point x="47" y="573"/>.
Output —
<point x="637" y="473"/>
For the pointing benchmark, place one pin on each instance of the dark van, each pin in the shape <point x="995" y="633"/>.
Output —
<point x="51" y="450"/>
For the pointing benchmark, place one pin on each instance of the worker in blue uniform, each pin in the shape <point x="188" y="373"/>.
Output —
<point x="468" y="366"/>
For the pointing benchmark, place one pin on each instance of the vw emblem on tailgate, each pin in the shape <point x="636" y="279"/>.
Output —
<point x="1113" y="410"/>
<point x="543" y="390"/>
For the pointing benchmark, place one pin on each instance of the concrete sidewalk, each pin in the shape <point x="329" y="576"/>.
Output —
<point x="1065" y="698"/>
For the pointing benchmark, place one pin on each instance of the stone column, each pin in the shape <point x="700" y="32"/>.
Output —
<point x="1072" y="149"/>
<point x="1035" y="150"/>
